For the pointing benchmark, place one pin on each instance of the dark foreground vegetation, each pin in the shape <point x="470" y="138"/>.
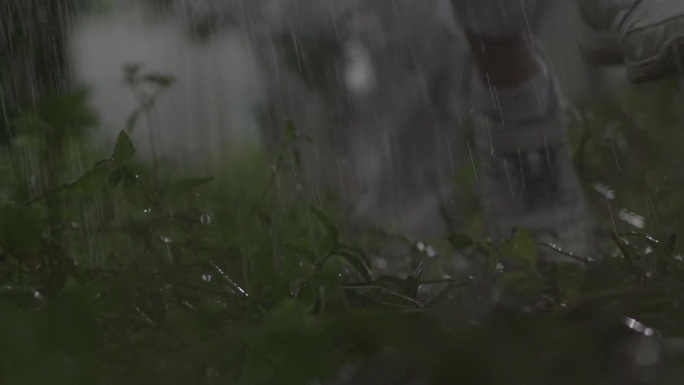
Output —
<point x="126" y="272"/>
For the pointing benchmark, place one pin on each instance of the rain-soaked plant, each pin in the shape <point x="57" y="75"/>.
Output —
<point x="185" y="307"/>
<point x="247" y="278"/>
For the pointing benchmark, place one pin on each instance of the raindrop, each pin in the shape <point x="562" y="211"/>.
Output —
<point x="421" y="246"/>
<point x="632" y="218"/>
<point x="206" y="219"/>
<point x="605" y="190"/>
<point x="381" y="263"/>
<point x="638" y="326"/>
<point x="430" y="251"/>
<point x="206" y="277"/>
<point x="166" y="239"/>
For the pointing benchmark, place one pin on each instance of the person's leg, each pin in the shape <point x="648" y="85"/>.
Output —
<point x="646" y="35"/>
<point x="526" y="171"/>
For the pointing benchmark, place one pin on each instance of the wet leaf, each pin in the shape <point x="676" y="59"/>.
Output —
<point x="358" y="263"/>
<point x="115" y="177"/>
<point x="360" y="252"/>
<point x="128" y="175"/>
<point x="93" y="180"/>
<point x="123" y="149"/>
<point x="327" y="245"/>
<point x="301" y="248"/>
<point x="569" y="279"/>
<point x="522" y="249"/>
<point x="137" y="198"/>
<point x="328" y="224"/>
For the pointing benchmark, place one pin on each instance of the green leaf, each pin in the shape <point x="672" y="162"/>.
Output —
<point x="359" y="251"/>
<point x="188" y="184"/>
<point x="124" y="174"/>
<point x="327" y="245"/>
<point x="328" y="224"/>
<point x="569" y="279"/>
<point x="128" y="175"/>
<point x="115" y="177"/>
<point x="301" y="248"/>
<point x="522" y="249"/>
<point x="138" y="198"/>
<point x="93" y="179"/>
<point x="124" y="149"/>
<point x="358" y="263"/>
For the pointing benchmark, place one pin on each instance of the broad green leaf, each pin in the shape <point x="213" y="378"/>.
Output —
<point x="128" y="175"/>
<point x="93" y="179"/>
<point x="359" y="251"/>
<point x="124" y="149"/>
<point x="136" y="197"/>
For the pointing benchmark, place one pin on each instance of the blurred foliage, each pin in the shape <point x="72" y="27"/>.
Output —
<point x="629" y="154"/>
